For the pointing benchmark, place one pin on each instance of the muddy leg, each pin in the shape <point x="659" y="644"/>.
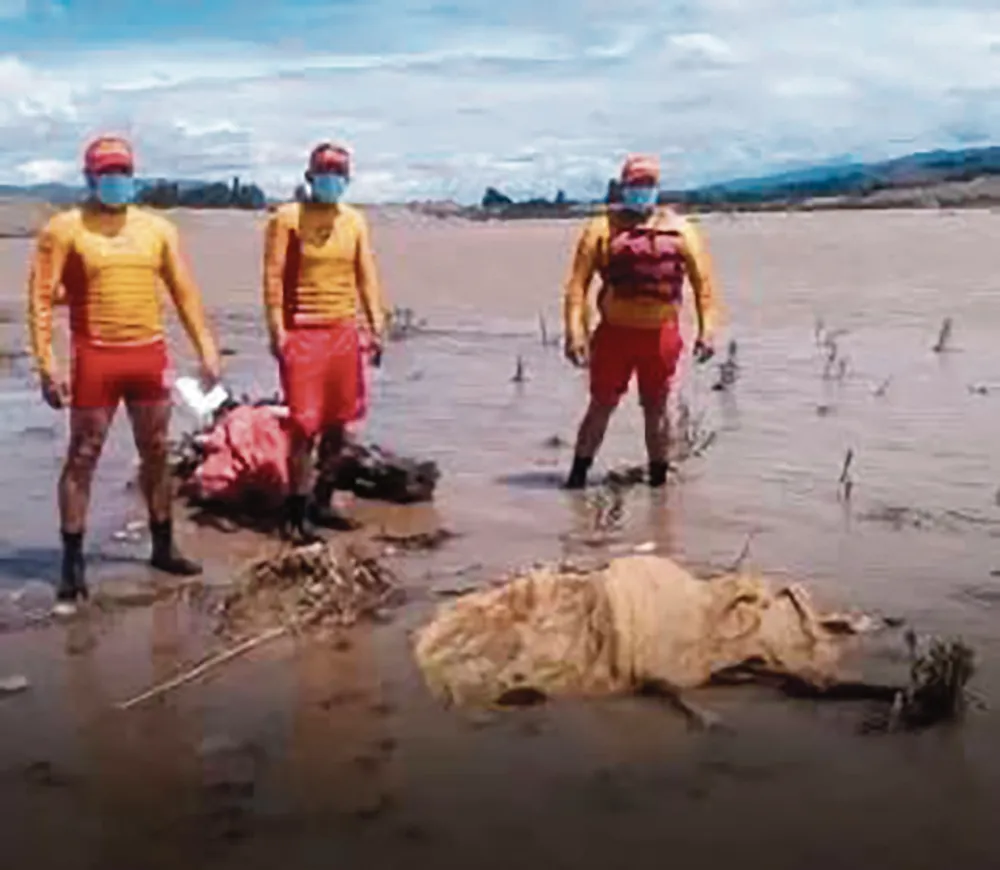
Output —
<point x="88" y="432"/>
<point x="296" y="524"/>
<point x="657" y="430"/>
<point x="150" y="429"/>
<point x="589" y="438"/>
<point x="322" y="512"/>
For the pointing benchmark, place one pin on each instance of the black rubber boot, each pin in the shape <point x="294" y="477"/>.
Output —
<point x="578" y="473"/>
<point x="166" y="557"/>
<point x="658" y="473"/>
<point x="72" y="586"/>
<point x="297" y="527"/>
<point x="322" y="513"/>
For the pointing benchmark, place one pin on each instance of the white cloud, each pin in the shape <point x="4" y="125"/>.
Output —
<point x="42" y="171"/>
<point x="553" y="99"/>
<point x="704" y="46"/>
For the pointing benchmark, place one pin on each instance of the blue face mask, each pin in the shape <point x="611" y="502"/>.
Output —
<point x="114" y="190"/>
<point x="638" y="198"/>
<point x="328" y="187"/>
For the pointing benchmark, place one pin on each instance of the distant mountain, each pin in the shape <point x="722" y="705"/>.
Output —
<point x="920" y="169"/>
<point x="846" y="183"/>
<point x="962" y="177"/>
<point x="54" y="192"/>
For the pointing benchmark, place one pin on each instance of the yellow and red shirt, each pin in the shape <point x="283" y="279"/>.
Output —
<point x="317" y="258"/>
<point x="109" y="268"/>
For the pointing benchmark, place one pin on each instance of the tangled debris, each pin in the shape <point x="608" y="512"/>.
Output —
<point x="418" y="541"/>
<point x="937" y="690"/>
<point x="317" y="586"/>
<point x="690" y="437"/>
<point x="401" y="323"/>
<point x="370" y="471"/>
<point x="297" y="589"/>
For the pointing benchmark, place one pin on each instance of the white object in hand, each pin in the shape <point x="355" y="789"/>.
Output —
<point x="197" y="399"/>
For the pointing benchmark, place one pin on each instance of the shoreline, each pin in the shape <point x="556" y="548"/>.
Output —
<point x="21" y="219"/>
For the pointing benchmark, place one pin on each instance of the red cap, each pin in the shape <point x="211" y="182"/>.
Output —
<point x="108" y="152"/>
<point x="330" y="158"/>
<point x="640" y="167"/>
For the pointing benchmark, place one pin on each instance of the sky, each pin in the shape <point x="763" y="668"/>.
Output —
<point x="438" y="100"/>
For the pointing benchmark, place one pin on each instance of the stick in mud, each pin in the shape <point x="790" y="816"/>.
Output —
<point x="943" y="336"/>
<point x="882" y="388"/>
<point x="846" y="483"/>
<point x="744" y="553"/>
<point x="547" y="340"/>
<point x="519" y="372"/>
<point x="204" y="667"/>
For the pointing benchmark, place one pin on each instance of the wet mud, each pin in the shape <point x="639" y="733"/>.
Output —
<point x="306" y="753"/>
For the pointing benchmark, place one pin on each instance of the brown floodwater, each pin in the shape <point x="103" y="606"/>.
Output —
<point x="309" y="754"/>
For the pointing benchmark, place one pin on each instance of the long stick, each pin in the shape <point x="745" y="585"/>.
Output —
<point x="203" y="668"/>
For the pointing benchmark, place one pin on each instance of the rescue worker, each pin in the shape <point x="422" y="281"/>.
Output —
<point x="110" y="257"/>
<point x="318" y="266"/>
<point x="643" y="253"/>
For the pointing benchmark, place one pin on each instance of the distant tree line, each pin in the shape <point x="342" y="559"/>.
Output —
<point x="171" y="194"/>
<point x="853" y="182"/>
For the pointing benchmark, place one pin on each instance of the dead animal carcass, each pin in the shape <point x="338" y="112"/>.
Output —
<point x="640" y="623"/>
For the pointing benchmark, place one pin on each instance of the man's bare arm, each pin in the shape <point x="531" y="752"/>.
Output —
<point x="701" y="274"/>
<point x="576" y="314"/>
<point x="369" y="287"/>
<point x="187" y="299"/>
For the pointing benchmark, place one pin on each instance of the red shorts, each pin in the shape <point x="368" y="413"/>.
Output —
<point x="618" y="351"/>
<point x="322" y="376"/>
<point x="105" y="374"/>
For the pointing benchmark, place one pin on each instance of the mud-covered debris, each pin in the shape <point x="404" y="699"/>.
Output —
<point x="303" y="587"/>
<point x="940" y="671"/>
<point x="625" y="476"/>
<point x="373" y="472"/>
<point x="418" y="541"/>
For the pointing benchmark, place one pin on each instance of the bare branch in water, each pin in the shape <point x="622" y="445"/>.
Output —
<point x="742" y="557"/>
<point x="728" y="370"/>
<point x="846" y="482"/>
<point x="520" y="375"/>
<point x="690" y="437"/>
<point x="943" y="336"/>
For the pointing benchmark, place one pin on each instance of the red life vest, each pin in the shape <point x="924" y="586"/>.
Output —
<point x="646" y="262"/>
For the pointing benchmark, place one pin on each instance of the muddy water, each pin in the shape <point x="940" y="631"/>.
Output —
<point x="307" y="755"/>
